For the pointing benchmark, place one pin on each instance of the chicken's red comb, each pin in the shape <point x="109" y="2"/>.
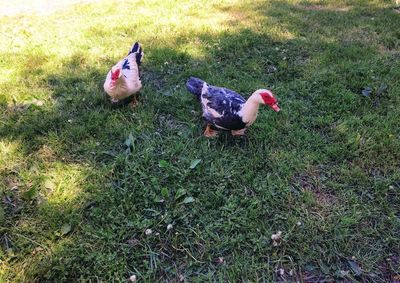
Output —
<point x="115" y="74"/>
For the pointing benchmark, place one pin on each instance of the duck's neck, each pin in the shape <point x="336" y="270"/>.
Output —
<point x="250" y="110"/>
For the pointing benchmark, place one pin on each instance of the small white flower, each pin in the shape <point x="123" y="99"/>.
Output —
<point x="132" y="278"/>
<point x="169" y="227"/>
<point x="38" y="102"/>
<point x="298" y="223"/>
<point x="281" y="271"/>
<point x="69" y="120"/>
<point x="148" y="232"/>
<point x="220" y="260"/>
<point x="276" y="238"/>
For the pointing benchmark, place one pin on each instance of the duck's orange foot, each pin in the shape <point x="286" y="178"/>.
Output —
<point x="239" y="132"/>
<point x="210" y="133"/>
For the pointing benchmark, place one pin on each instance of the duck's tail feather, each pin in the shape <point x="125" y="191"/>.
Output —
<point x="195" y="86"/>
<point x="137" y="49"/>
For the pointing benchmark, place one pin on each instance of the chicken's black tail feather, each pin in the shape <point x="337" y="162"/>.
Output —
<point x="194" y="86"/>
<point x="137" y="48"/>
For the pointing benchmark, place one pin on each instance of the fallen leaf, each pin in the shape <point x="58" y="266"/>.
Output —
<point x="179" y="193"/>
<point x="37" y="102"/>
<point x="30" y="194"/>
<point x="159" y="200"/>
<point x="366" y="91"/>
<point x="48" y="184"/>
<point x="382" y="89"/>
<point x="164" y="192"/>
<point x="310" y="267"/>
<point x="129" y="141"/>
<point x="194" y="163"/>
<point x="355" y="267"/>
<point x="162" y="163"/>
<point x="65" y="229"/>
<point x="188" y="200"/>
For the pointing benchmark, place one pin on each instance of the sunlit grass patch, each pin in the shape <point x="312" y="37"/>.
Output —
<point x="10" y="154"/>
<point x="62" y="186"/>
<point x="41" y="208"/>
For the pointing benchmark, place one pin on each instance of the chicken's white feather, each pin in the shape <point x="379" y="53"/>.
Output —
<point x="128" y="83"/>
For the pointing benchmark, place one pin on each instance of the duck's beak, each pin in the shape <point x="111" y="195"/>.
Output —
<point x="275" y="107"/>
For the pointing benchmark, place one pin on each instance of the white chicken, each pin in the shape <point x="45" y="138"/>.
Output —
<point x="123" y="79"/>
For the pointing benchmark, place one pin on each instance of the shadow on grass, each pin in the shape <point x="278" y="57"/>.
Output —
<point x="132" y="168"/>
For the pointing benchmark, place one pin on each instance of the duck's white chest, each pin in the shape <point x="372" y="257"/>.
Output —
<point x="249" y="112"/>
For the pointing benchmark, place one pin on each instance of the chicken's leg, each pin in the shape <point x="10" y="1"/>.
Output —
<point x="134" y="101"/>
<point x="210" y="133"/>
<point x="239" y="132"/>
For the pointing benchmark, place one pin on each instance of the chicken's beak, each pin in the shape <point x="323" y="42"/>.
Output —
<point x="275" y="107"/>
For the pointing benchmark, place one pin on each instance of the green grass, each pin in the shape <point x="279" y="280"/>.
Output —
<point x="80" y="181"/>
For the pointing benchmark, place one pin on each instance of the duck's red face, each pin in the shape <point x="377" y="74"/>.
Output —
<point x="114" y="77"/>
<point x="270" y="100"/>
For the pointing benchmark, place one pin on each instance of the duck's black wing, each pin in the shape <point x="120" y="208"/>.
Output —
<point x="227" y="104"/>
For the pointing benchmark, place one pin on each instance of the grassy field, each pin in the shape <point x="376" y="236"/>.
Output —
<point x="81" y="181"/>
